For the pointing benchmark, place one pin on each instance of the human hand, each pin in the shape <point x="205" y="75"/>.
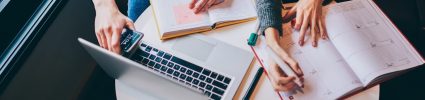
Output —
<point x="308" y="16"/>
<point x="281" y="81"/>
<point x="109" y="23"/>
<point x="202" y="5"/>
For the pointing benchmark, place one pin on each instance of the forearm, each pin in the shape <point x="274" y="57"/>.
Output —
<point x="273" y="42"/>
<point x="269" y="15"/>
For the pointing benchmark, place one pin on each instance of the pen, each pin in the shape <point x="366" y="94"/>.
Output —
<point x="283" y="65"/>
<point x="253" y="83"/>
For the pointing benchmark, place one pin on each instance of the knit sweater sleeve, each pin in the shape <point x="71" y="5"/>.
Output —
<point x="269" y="15"/>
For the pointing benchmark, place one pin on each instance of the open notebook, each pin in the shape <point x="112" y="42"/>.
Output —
<point x="364" y="49"/>
<point x="174" y="18"/>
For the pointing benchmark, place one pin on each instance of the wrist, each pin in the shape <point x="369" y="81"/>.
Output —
<point x="272" y="35"/>
<point x="105" y="5"/>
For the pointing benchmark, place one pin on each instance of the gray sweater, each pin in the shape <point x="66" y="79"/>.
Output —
<point x="269" y="14"/>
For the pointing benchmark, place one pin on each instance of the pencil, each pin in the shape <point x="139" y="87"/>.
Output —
<point x="253" y="83"/>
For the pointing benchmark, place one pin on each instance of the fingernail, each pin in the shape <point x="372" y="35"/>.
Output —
<point x="299" y="71"/>
<point x="194" y="10"/>
<point x="300" y="43"/>
<point x="314" y="44"/>
<point x="324" y="37"/>
<point x="292" y="23"/>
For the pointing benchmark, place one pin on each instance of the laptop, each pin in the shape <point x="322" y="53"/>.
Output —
<point x="187" y="68"/>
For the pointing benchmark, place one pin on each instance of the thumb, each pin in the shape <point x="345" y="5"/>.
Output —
<point x="130" y="24"/>
<point x="291" y="14"/>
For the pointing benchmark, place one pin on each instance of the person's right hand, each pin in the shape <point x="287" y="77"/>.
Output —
<point x="109" y="23"/>
<point x="203" y="5"/>
<point x="281" y="81"/>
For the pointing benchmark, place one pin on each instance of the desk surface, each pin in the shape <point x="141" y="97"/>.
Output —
<point x="235" y="35"/>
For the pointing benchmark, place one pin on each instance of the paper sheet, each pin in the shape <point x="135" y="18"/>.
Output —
<point x="175" y="15"/>
<point x="232" y="10"/>
<point x="367" y="41"/>
<point x="184" y="15"/>
<point x="326" y="74"/>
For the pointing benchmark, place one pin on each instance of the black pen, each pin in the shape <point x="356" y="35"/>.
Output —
<point x="253" y="84"/>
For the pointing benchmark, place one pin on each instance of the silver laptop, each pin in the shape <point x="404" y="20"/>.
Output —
<point x="184" y="68"/>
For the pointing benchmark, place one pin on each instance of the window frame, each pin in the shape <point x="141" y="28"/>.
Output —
<point x="27" y="37"/>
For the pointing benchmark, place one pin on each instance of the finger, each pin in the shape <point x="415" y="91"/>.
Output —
<point x="313" y="30"/>
<point x="115" y="40"/>
<point x="204" y="9"/>
<point x="323" y="31"/>
<point x="318" y="36"/>
<point x="290" y="86"/>
<point x="99" y="37"/>
<point x="284" y="87"/>
<point x="192" y="4"/>
<point x="293" y="23"/>
<point x="104" y="40"/>
<point x="299" y="19"/>
<point x="217" y="2"/>
<point x="278" y="87"/>
<point x="209" y="4"/>
<point x="275" y="76"/>
<point x="313" y="37"/>
<point x="274" y="72"/>
<point x="285" y="80"/>
<point x="108" y="35"/>
<point x="294" y="66"/>
<point x="199" y="6"/>
<point x="304" y="28"/>
<point x="291" y="14"/>
<point x="103" y="37"/>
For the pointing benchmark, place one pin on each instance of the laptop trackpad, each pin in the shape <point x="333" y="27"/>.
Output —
<point x="194" y="47"/>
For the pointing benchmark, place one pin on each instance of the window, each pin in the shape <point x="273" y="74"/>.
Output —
<point x="21" y="22"/>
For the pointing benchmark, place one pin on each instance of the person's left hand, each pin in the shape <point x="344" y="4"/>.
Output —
<point x="308" y="16"/>
<point x="202" y="5"/>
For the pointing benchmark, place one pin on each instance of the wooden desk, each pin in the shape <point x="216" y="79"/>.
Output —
<point x="235" y="35"/>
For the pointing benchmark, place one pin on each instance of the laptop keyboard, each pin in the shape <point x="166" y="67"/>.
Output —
<point x="211" y="83"/>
